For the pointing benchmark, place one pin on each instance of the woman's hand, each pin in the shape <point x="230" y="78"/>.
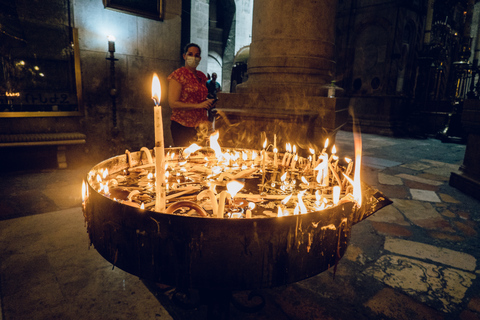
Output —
<point x="207" y="104"/>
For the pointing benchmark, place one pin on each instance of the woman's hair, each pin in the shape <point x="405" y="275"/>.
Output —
<point x="185" y="50"/>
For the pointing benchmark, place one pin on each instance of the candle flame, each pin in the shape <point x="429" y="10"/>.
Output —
<point x="265" y="144"/>
<point x="142" y="206"/>
<point x="286" y="199"/>
<point x="312" y="151"/>
<point x="215" y="145"/>
<point x="303" y="208"/>
<point x="234" y="186"/>
<point x="191" y="149"/>
<point x="288" y="147"/>
<point x="294" y="149"/>
<point x="326" y="144"/>
<point x="156" y="90"/>
<point x="357" y="191"/>
<point x="84" y="191"/>
<point x="334" y="150"/>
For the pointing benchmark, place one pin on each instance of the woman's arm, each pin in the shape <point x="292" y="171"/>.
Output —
<point x="174" y="91"/>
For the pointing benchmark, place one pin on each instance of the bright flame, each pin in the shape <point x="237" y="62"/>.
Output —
<point x="279" y="212"/>
<point x="288" y="147"/>
<point x="334" y="150"/>
<point x="265" y="144"/>
<point x="357" y="191"/>
<point x="233" y="187"/>
<point x="286" y="199"/>
<point x="191" y="149"/>
<point x="156" y="91"/>
<point x="142" y="206"/>
<point x="304" y="180"/>
<point x="322" y="169"/>
<point x="283" y="177"/>
<point x="84" y="191"/>
<point x="215" y="145"/>
<point x="312" y="151"/>
<point x="294" y="149"/>
<point x="303" y="208"/>
<point x="326" y="144"/>
<point x="251" y="205"/>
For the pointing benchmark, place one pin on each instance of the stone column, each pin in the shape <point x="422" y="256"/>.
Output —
<point x="293" y="45"/>
<point x="291" y="64"/>
<point x="468" y="180"/>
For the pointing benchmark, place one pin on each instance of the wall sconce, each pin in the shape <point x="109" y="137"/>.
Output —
<point x="113" y="89"/>
<point x="111" y="44"/>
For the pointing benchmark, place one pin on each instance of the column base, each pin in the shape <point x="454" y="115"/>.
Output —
<point x="467" y="184"/>
<point x="305" y="121"/>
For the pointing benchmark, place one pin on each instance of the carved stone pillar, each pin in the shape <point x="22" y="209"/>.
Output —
<point x="468" y="181"/>
<point x="290" y="67"/>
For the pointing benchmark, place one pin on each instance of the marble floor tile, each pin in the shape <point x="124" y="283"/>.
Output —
<point x="378" y="163"/>
<point x="424" y="195"/>
<point x="418" y="179"/>
<point x="389" y="179"/>
<point x="456" y="259"/>
<point x="432" y="284"/>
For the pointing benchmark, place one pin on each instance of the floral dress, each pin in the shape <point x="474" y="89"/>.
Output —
<point x="194" y="90"/>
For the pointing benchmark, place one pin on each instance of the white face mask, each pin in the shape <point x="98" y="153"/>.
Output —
<point x="192" y="62"/>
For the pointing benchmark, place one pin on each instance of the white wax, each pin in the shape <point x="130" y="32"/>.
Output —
<point x="159" y="160"/>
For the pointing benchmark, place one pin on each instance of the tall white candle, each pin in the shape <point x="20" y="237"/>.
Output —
<point x="159" y="147"/>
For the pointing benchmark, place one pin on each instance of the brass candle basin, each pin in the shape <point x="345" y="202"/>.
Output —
<point x="220" y="254"/>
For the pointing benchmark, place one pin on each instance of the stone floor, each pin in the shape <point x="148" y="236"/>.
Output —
<point x="415" y="259"/>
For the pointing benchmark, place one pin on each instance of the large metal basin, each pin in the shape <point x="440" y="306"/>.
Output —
<point x="220" y="254"/>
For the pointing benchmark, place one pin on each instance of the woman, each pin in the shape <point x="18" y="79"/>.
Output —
<point x="187" y="96"/>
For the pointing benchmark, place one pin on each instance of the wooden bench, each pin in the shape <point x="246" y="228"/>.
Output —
<point x="61" y="140"/>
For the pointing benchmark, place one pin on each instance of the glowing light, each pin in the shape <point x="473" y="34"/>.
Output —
<point x="357" y="191"/>
<point x="286" y="199"/>
<point x="303" y="208"/>
<point x="191" y="149"/>
<point x="234" y="186"/>
<point x="156" y="90"/>
<point x="84" y="191"/>
<point x="216" y="146"/>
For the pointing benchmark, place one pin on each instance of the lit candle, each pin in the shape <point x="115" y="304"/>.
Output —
<point x="275" y="158"/>
<point x="294" y="161"/>
<point x="285" y="155"/>
<point x="159" y="147"/>
<point x="232" y="189"/>
<point x="312" y="151"/>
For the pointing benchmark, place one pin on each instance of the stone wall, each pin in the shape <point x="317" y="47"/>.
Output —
<point x="143" y="46"/>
